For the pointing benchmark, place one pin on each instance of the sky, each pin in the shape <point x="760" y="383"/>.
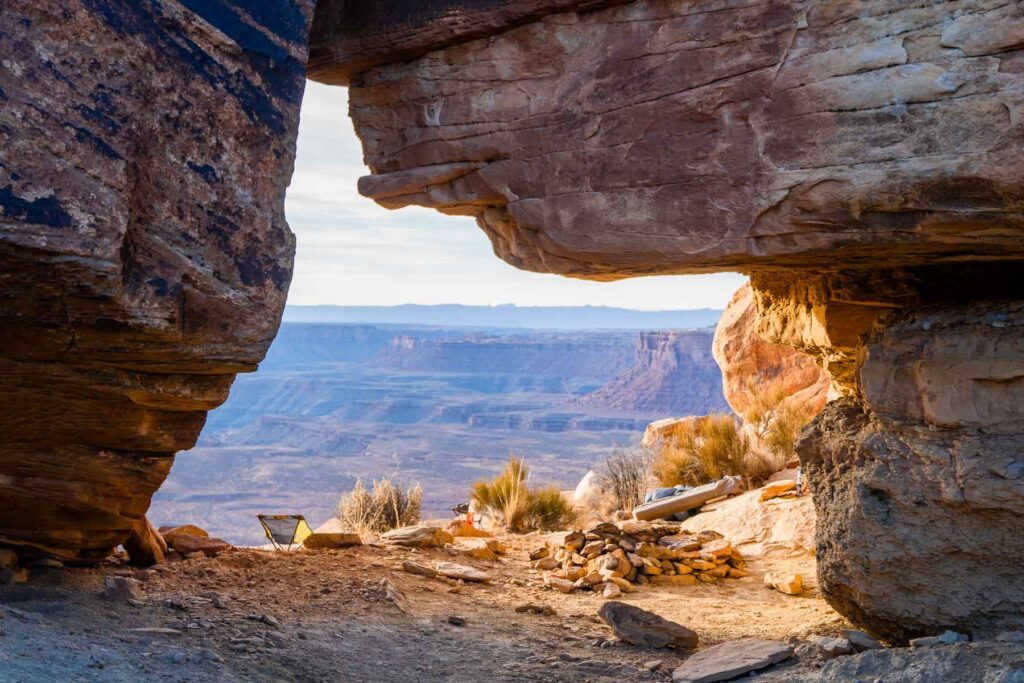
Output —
<point x="353" y="252"/>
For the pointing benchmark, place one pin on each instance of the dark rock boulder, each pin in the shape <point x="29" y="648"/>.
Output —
<point x="145" y="148"/>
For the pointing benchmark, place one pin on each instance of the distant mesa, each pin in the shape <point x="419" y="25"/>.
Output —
<point x="508" y="315"/>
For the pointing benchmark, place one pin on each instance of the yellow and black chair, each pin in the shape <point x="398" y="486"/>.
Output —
<point x="285" y="530"/>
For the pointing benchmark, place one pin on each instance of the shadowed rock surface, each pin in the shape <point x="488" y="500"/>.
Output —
<point x="144" y="152"/>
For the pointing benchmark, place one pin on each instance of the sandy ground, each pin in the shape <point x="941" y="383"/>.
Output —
<point x="253" y="615"/>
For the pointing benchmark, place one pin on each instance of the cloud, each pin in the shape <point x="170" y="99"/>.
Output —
<point x="353" y="252"/>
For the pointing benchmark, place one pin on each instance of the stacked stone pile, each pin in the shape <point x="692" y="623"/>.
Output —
<point x="613" y="558"/>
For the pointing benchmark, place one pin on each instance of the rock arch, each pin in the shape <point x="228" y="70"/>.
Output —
<point x="862" y="163"/>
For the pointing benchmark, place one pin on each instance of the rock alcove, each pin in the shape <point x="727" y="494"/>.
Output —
<point x="860" y="162"/>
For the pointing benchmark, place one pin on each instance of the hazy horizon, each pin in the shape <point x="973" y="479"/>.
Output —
<point x="352" y="252"/>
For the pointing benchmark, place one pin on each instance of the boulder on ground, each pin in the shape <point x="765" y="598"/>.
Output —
<point x="169" y="532"/>
<point x="331" y="534"/>
<point x="860" y="640"/>
<point x="640" y="627"/>
<point x="790" y="584"/>
<point x="418" y="537"/>
<point x="121" y="589"/>
<point x="782" y="527"/>
<point x="591" y="494"/>
<point x="461" y="527"/>
<point x="144" y="545"/>
<point x="187" y="544"/>
<point x="480" y="548"/>
<point x="729" y="660"/>
<point x="462" y="571"/>
<point x="418" y="569"/>
<point x="829" y="646"/>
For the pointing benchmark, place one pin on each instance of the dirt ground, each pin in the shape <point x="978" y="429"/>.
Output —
<point x="253" y="615"/>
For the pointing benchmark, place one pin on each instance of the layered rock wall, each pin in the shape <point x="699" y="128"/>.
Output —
<point x="673" y="136"/>
<point x="145" y="147"/>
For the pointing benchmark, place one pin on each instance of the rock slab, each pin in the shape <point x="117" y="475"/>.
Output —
<point x="418" y="537"/>
<point x="730" y="660"/>
<point x="640" y="627"/>
<point x="331" y="534"/>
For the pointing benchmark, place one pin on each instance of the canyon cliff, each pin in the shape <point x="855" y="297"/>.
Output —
<point x="674" y="373"/>
<point x="861" y="161"/>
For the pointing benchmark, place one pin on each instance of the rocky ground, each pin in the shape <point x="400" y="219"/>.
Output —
<point x="355" y="615"/>
<point x="325" y="615"/>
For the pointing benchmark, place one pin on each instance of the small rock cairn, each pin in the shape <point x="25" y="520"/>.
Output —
<point x="612" y="558"/>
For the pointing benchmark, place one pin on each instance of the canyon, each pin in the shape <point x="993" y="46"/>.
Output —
<point x="439" y="406"/>
<point x="860" y="161"/>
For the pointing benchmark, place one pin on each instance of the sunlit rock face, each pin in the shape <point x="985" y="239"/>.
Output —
<point x="861" y="161"/>
<point x="145" y="148"/>
<point x="752" y="366"/>
<point x="680" y="136"/>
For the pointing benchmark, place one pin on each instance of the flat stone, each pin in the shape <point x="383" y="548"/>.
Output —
<point x="673" y="580"/>
<point x="121" y="589"/>
<point x="945" y="638"/>
<point x="330" y="534"/>
<point x="169" y="532"/>
<point x="640" y="627"/>
<point x="729" y="660"/>
<point x="860" y="640"/>
<point x="830" y="646"/>
<point x="188" y="545"/>
<point x="462" y="571"/>
<point x="563" y="585"/>
<point x="777" y="488"/>
<point x="790" y="584"/>
<point x="418" y="537"/>
<point x="418" y="569"/>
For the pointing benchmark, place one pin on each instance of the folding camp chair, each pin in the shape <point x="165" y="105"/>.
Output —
<point x="285" y="529"/>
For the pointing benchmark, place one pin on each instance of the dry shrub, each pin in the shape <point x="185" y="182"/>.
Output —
<point x="550" y="510"/>
<point x="776" y="424"/>
<point x="627" y="473"/>
<point x="509" y="499"/>
<point x="387" y="507"/>
<point x="705" y="449"/>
